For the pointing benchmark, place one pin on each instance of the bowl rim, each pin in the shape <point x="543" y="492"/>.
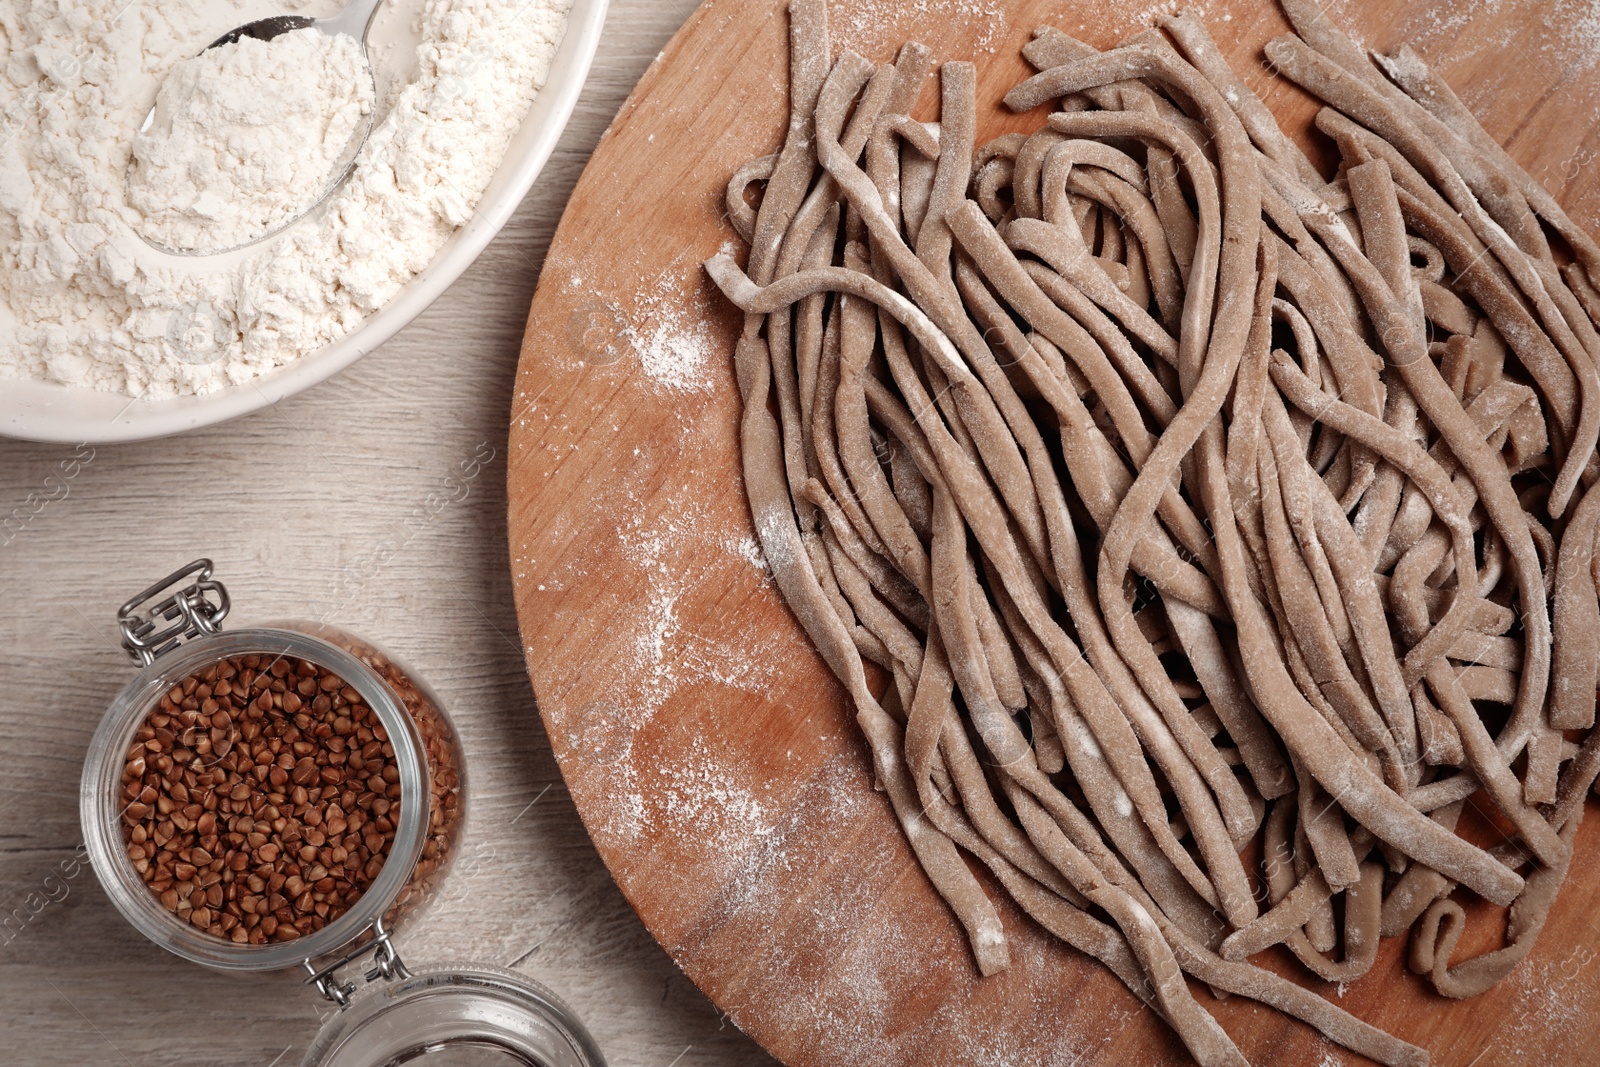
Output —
<point x="30" y="409"/>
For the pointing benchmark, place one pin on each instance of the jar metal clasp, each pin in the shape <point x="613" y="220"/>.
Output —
<point x="153" y="624"/>
<point x="386" y="964"/>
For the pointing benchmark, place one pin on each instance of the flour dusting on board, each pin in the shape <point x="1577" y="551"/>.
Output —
<point x="1545" y="1005"/>
<point x="865" y="24"/>
<point x="700" y="796"/>
<point x="746" y="549"/>
<point x="661" y="614"/>
<point x="1585" y="34"/>
<point x="1564" y="40"/>
<point x="693" y="798"/>
<point x="666" y="325"/>
<point x="663" y="656"/>
<point x="843" y="992"/>
<point x="842" y="796"/>
<point x="675" y="339"/>
<point x="1440" y="31"/>
<point x="1103" y="24"/>
<point x="655" y="673"/>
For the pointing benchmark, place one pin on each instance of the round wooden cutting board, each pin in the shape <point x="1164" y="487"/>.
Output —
<point x="712" y="756"/>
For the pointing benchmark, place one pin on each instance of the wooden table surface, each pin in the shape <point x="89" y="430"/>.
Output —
<point x="332" y="498"/>
<point x="324" y="500"/>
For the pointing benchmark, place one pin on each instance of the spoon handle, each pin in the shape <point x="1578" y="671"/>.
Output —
<point x="355" y="19"/>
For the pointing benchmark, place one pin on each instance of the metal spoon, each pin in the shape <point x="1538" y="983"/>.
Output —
<point x="354" y="21"/>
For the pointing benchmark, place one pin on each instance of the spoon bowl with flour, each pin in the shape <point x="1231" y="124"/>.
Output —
<point x="255" y="132"/>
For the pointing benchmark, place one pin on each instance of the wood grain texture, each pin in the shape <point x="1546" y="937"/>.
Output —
<point x="323" y="499"/>
<point x="707" y="748"/>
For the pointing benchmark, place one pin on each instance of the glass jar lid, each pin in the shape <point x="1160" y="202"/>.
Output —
<point x="464" y="1015"/>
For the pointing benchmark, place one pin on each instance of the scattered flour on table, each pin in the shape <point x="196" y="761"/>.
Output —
<point x="748" y="550"/>
<point x="666" y="324"/>
<point x="838" y="801"/>
<point x="1106" y="23"/>
<point x="247" y="136"/>
<point x="1545" y="1004"/>
<point x="1585" y="32"/>
<point x="675" y="339"/>
<point x="1566" y="34"/>
<point x="1441" y="31"/>
<point x="695" y="800"/>
<point x="701" y="796"/>
<point x="665" y="656"/>
<point x="848" y="968"/>
<point x="866" y="23"/>
<point x="87" y="303"/>
<point x="662" y="656"/>
<point x="659" y="674"/>
<point x="841" y="988"/>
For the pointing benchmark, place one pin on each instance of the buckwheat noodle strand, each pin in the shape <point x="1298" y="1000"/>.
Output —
<point x="1186" y="499"/>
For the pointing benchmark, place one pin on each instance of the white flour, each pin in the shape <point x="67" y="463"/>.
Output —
<point x="675" y="339"/>
<point x="84" y="301"/>
<point x="247" y="137"/>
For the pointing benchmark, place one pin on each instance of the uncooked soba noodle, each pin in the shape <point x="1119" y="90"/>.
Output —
<point x="1186" y="499"/>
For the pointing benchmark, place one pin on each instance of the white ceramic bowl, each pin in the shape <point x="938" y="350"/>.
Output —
<point x="45" y="411"/>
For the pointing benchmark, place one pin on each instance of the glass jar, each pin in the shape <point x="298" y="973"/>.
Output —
<point x="463" y="1016"/>
<point x="389" y="736"/>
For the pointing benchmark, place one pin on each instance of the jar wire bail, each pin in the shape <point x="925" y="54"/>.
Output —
<point x="386" y="964"/>
<point x="195" y="607"/>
